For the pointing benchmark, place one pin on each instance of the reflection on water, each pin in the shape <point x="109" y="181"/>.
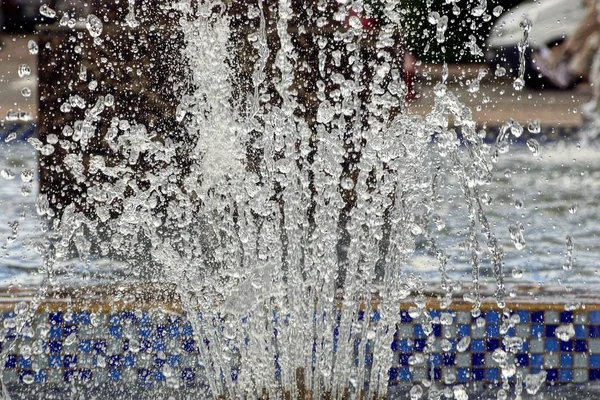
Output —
<point x="553" y="196"/>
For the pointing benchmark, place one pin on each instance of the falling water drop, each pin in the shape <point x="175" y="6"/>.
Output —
<point x="47" y="12"/>
<point x="500" y="71"/>
<point x="518" y="204"/>
<point x="33" y="47"/>
<point x="533" y="146"/>
<point x="565" y="332"/>
<point x="533" y="382"/>
<point x="569" y="254"/>
<point x="463" y="344"/>
<point x="24" y="70"/>
<point x="534" y="127"/>
<point x="94" y="25"/>
<point x="573" y="208"/>
<point x="516" y="235"/>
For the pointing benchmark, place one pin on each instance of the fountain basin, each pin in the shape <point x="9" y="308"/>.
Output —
<point x="92" y="342"/>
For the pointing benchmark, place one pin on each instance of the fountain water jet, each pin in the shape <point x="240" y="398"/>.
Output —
<point x="290" y="195"/>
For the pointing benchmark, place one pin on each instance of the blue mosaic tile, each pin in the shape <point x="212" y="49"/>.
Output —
<point x="114" y="374"/>
<point x="25" y="362"/>
<point x="537" y="331"/>
<point x="463" y="330"/>
<point x="566" y="317"/>
<point x="581" y="331"/>
<point x="448" y="359"/>
<point x="85" y="346"/>
<point x="405" y="318"/>
<point x="492" y="317"/>
<point x="566" y="375"/>
<point x="463" y="375"/>
<point x="55" y="318"/>
<point x="566" y="346"/>
<point x="418" y="331"/>
<point x="523" y="316"/>
<point x="551" y="345"/>
<point x="550" y="331"/>
<point x="55" y="361"/>
<point x="129" y="360"/>
<point x="580" y="346"/>
<point x="419" y="345"/>
<point x="594" y="331"/>
<point x="478" y="359"/>
<point x="537" y="317"/>
<point x="404" y="374"/>
<point x="594" y="361"/>
<point x="522" y="360"/>
<point x="477" y="345"/>
<point x="492" y="374"/>
<point x="435" y="359"/>
<point x="594" y="317"/>
<point x="478" y="374"/>
<point x="85" y="318"/>
<point x="552" y="374"/>
<point x="99" y="346"/>
<point x="116" y="331"/>
<point x="55" y="332"/>
<point x="492" y="344"/>
<point x="594" y="374"/>
<point x="566" y="360"/>
<point x="188" y="375"/>
<point x="536" y="360"/>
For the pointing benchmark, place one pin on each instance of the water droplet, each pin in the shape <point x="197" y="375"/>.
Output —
<point x="516" y="235"/>
<point x="463" y="344"/>
<point x="64" y="20"/>
<point x="533" y="146"/>
<point x="533" y="382"/>
<point x="534" y="127"/>
<point x="26" y="92"/>
<point x="24" y="70"/>
<point x="479" y="10"/>
<point x="500" y="71"/>
<point x="572" y="306"/>
<point x="518" y="204"/>
<point x="69" y="340"/>
<point x="416" y="392"/>
<point x="325" y="113"/>
<point x="93" y="25"/>
<point x="565" y="332"/>
<point x="28" y="379"/>
<point x="497" y="11"/>
<point x="573" y="208"/>
<point x="7" y="174"/>
<point x="347" y="183"/>
<point x="33" y="47"/>
<point x="26" y="175"/>
<point x="519" y="84"/>
<point x="446" y="319"/>
<point x="499" y="356"/>
<point x="47" y="12"/>
<point x="11" y="136"/>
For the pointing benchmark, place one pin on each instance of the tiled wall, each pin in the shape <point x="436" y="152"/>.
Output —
<point x="574" y="360"/>
<point x="137" y="346"/>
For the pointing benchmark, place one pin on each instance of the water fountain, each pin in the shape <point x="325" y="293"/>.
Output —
<point x="262" y="189"/>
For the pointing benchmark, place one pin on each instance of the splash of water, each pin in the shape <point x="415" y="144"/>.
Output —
<point x="297" y="191"/>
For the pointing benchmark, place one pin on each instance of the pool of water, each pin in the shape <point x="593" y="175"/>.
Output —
<point x="552" y="196"/>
